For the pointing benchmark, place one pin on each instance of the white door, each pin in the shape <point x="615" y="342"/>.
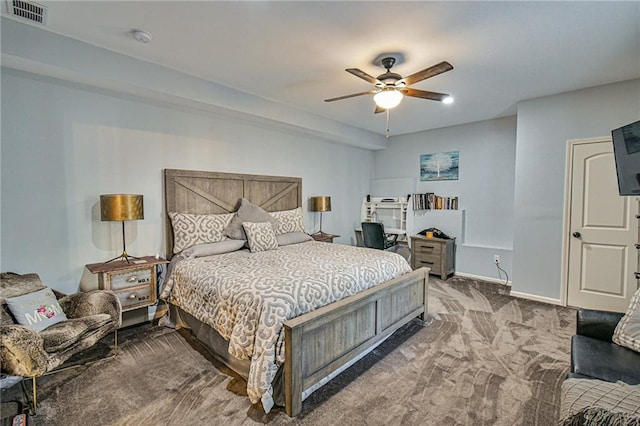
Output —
<point x="603" y="228"/>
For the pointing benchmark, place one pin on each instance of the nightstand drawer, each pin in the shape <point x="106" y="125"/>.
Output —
<point x="430" y="261"/>
<point x="428" y="247"/>
<point x="134" y="297"/>
<point x="128" y="279"/>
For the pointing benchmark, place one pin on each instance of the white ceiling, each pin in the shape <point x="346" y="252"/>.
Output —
<point x="295" y="53"/>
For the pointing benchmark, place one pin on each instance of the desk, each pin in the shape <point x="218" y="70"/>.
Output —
<point x="401" y="233"/>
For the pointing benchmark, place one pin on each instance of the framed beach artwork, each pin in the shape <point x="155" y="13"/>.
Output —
<point x="439" y="166"/>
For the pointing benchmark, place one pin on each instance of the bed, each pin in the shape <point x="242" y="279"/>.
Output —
<point x="378" y="293"/>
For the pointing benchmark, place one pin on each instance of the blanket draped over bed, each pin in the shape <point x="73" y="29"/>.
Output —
<point x="246" y="297"/>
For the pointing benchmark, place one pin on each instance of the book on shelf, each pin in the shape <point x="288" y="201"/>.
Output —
<point x="431" y="201"/>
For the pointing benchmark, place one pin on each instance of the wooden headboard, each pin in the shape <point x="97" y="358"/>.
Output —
<point x="197" y="192"/>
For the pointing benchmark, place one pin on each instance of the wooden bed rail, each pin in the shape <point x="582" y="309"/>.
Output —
<point x="320" y="342"/>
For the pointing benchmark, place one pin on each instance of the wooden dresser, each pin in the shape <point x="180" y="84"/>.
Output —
<point x="434" y="253"/>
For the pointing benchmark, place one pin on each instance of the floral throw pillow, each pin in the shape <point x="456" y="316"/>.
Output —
<point x="289" y="221"/>
<point x="192" y="229"/>
<point x="37" y="310"/>
<point x="627" y="332"/>
<point x="260" y="236"/>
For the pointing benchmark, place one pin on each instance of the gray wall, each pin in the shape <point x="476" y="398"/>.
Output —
<point x="484" y="188"/>
<point x="64" y="144"/>
<point x="544" y="127"/>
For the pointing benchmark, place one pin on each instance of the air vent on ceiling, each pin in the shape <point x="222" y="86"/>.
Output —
<point x="29" y="10"/>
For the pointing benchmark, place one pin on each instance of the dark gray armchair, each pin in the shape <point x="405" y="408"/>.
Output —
<point x="373" y="236"/>
<point x="595" y="356"/>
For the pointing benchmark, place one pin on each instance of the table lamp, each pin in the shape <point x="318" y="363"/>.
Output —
<point x="321" y="204"/>
<point x="121" y="207"/>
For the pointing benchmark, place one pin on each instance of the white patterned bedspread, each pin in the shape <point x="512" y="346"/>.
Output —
<point x="246" y="297"/>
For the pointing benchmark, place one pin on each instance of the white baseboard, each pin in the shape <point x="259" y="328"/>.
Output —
<point x="518" y="294"/>
<point x="481" y="278"/>
<point x="542" y="299"/>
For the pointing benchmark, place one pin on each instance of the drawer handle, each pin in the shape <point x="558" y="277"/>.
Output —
<point x="132" y="279"/>
<point x="426" y="263"/>
<point x="426" y="249"/>
<point x="132" y="296"/>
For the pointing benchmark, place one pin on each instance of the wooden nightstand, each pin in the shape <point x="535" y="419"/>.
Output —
<point x="325" y="238"/>
<point x="435" y="253"/>
<point x="134" y="283"/>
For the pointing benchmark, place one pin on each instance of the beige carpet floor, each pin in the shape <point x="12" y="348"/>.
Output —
<point x="484" y="358"/>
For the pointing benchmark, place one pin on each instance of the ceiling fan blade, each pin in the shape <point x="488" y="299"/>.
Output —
<point x="339" y="98"/>
<point x="363" y="75"/>
<point x="432" y="71"/>
<point x="378" y="110"/>
<point x="424" y="94"/>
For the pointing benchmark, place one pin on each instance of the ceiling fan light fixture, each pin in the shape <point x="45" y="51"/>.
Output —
<point x="448" y="100"/>
<point x="388" y="98"/>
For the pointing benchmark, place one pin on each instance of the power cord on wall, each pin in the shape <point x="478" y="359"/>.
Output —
<point x="506" y="280"/>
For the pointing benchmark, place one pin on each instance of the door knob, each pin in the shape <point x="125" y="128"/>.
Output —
<point x="577" y="234"/>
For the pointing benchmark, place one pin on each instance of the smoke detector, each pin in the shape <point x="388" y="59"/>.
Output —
<point x="141" y="36"/>
<point x="28" y="10"/>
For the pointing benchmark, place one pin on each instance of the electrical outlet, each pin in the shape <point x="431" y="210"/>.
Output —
<point x="496" y="258"/>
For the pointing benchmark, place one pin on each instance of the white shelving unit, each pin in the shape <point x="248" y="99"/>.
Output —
<point x="391" y="211"/>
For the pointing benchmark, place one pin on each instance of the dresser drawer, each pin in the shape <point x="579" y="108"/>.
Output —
<point x="135" y="297"/>
<point x="429" y="261"/>
<point x="427" y="247"/>
<point x="129" y="279"/>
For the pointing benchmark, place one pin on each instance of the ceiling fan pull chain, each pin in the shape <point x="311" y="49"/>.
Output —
<point x="388" y="124"/>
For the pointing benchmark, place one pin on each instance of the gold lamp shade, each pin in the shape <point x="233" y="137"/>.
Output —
<point x="121" y="207"/>
<point x="321" y="204"/>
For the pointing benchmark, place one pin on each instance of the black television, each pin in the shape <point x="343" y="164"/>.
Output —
<point x="626" y="150"/>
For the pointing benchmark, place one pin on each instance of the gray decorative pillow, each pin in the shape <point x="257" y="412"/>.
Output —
<point x="260" y="236"/>
<point x="290" y="221"/>
<point x="292" y="238"/>
<point x="37" y="310"/>
<point x="210" y="249"/>
<point x="627" y="332"/>
<point x="248" y="212"/>
<point x="192" y="229"/>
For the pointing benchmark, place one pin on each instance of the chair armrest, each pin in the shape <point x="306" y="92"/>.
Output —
<point x="95" y="302"/>
<point x="597" y="324"/>
<point x="22" y="351"/>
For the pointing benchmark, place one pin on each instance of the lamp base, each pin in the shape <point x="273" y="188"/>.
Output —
<point x="124" y="257"/>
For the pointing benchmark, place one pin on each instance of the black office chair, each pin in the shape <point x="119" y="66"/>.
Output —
<point x="373" y="236"/>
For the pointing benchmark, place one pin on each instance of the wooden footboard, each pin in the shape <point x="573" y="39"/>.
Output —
<point x="320" y="342"/>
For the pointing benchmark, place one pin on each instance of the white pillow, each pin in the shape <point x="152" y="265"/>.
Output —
<point x="192" y="229"/>
<point x="292" y="238"/>
<point x="209" y="249"/>
<point x="289" y="221"/>
<point x="627" y="331"/>
<point x="260" y="236"/>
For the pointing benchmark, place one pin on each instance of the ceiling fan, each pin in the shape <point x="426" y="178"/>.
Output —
<point x="391" y="88"/>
